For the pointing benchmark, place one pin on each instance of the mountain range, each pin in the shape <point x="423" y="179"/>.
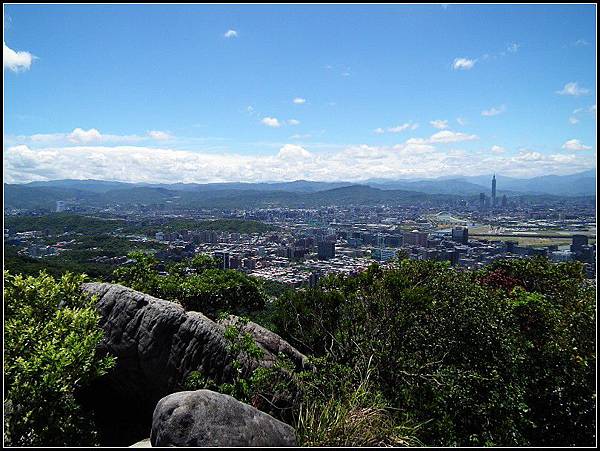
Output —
<point x="299" y="193"/>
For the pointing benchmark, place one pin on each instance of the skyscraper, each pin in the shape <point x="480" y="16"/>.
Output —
<point x="494" y="191"/>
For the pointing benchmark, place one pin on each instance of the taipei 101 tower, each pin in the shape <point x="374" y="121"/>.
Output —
<point x="494" y="191"/>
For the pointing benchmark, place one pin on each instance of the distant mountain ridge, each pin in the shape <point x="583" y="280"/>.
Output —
<point x="299" y="194"/>
<point x="582" y="183"/>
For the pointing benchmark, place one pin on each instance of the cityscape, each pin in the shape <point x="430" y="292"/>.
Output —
<point x="300" y="225"/>
<point x="311" y="243"/>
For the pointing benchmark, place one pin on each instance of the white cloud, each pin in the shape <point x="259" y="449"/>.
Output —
<point x="271" y="121"/>
<point x="498" y="149"/>
<point x="575" y="144"/>
<point x="81" y="136"/>
<point x="403" y="127"/>
<point x="573" y="89"/>
<point x="293" y="122"/>
<point x="77" y="136"/>
<point x="231" y="34"/>
<point x="573" y="120"/>
<point x="513" y="47"/>
<point x="413" y="158"/>
<point x="439" y="123"/>
<point x="293" y="152"/>
<point x="16" y="61"/>
<point x="592" y="109"/>
<point x="580" y="43"/>
<point x="159" y="135"/>
<point x="379" y="131"/>
<point x="299" y="100"/>
<point x="494" y="111"/>
<point x="45" y="137"/>
<point x="461" y="121"/>
<point x="463" y="64"/>
<point x="447" y="136"/>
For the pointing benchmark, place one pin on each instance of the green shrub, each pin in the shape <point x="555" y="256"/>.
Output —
<point x="51" y="333"/>
<point x="503" y="356"/>
<point x="195" y="283"/>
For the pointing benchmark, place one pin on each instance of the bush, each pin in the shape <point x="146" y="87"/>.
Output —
<point x="503" y="356"/>
<point x="51" y="333"/>
<point x="195" y="283"/>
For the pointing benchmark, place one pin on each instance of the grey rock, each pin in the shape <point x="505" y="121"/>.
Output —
<point x="270" y="342"/>
<point x="142" y="444"/>
<point x="157" y="343"/>
<point x="207" y="418"/>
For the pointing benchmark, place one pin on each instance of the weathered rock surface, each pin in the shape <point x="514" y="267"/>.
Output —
<point x="142" y="444"/>
<point x="270" y="342"/>
<point x="207" y="418"/>
<point x="157" y="344"/>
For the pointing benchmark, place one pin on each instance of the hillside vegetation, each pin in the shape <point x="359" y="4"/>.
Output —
<point x="422" y="353"/>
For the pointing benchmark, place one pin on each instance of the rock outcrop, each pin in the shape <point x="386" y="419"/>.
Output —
<point x="157" y="344"/>
<point x="207" y="418"/>
<point x="142" y="444"/>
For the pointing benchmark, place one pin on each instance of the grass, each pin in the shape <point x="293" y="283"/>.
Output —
<point x="360" y="418"/>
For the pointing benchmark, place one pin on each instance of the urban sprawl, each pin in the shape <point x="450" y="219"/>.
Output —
<point x="311" y="243"/>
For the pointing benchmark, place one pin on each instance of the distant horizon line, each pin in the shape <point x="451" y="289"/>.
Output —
<point x="356" y="182"/>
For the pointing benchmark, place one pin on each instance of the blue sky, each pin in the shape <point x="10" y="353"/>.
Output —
<point x="200" y="93"/>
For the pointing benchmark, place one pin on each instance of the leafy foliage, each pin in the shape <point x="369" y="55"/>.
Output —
<point x="504" y="356"/>
<point x="195" y="283"/>
<point x="51" y="333"/>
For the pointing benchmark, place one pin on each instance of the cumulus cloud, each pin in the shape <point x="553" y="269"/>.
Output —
<point x="15" y="60"/>
<point x="293" y="152"/>
<point x="573" y="120"/>
<point x="293" y="122"/>
<point x="379" y="131"/>
<point x="159" y="135"/>
<point x="439" y="123"/>
<point x="299" y="100"/>
<point x="77" y="136"/>
<point x="231" y="34"/>
<point x="498" y="149"/>
<point x="575" y="144"/>
<point x="81" y="136"/>
<point x="494" y="111"/>
<point x="412" y="158"/>
<point x="463" y="64"/>
<point x="271" y="121"/>
<point x="573" y="89"/>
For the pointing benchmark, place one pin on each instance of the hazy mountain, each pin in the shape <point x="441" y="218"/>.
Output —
<point x="583" y="183"/>
<point x="97" y="186"/>
<point x="299" y="193"/>
<point x="451" y="186"/>
<point x="30" y="197"/>
<point x="101" y="186"/>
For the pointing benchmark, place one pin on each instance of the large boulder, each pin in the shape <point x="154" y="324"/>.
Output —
<point x="207" y="418"/>
<point x="157" y="344"/>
